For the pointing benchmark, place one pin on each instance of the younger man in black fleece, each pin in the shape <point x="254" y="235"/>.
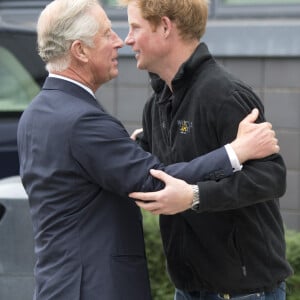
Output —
<point x="229" y="243"/>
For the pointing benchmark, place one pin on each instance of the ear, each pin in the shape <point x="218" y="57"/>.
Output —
<point x="167" y="26"/>
<point x="78" y="51"/>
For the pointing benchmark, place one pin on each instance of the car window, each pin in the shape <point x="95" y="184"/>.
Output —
<point x="17" y="87"/>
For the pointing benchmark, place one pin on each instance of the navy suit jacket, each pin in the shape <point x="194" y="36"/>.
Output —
<point x="78" y="164"/>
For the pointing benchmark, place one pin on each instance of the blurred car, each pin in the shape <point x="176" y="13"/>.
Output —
<point x="17" y="243"/>
<point x="22" y="73"/>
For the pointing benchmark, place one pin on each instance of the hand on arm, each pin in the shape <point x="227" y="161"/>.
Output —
<point x="177" y="196"/>
<point x="253" y="140"/>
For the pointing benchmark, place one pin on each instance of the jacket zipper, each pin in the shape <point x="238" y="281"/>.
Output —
<point x="240" y="253"/>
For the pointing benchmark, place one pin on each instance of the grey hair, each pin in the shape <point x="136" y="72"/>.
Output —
<point x="61" y="23"/>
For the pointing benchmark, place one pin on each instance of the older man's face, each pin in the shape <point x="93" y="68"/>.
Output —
<point x="103" y="57"/>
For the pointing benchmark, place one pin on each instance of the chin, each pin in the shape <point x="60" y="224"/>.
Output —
<point x="140" y="66"/>
<point x="114" y="74"/>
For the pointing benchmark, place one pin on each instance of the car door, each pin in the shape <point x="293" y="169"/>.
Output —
<point x="22" y="73"/>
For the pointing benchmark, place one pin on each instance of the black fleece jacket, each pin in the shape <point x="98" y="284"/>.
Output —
<point x="235" y="244"/>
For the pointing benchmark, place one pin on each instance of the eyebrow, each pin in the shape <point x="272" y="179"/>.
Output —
<point x="108" y="26"/>
<point x="134" y="24"/>
<point x="107" y="30"/>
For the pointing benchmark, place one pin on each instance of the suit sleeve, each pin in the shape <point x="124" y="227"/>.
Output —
<point x="104" y="152"/>
<point x="259" y="181"/>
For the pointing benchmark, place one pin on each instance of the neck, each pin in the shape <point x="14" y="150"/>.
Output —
<point x="74" y="74"/>
<point x="179" y="54"/>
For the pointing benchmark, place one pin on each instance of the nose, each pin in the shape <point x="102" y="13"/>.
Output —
<point x="129" y="40"/>
<point x="118" y="41"/>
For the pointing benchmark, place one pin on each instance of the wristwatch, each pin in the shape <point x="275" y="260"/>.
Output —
<point x="196" y="201"/>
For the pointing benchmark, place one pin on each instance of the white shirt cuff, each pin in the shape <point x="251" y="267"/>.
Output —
<point x="236" y="166"/>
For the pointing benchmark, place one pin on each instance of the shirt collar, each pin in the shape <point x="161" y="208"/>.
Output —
<point x="73" y="81"/>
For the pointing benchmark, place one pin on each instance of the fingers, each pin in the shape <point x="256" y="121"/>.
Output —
<point x="175" y="197"/>
<point x="252" y="117"/>
<point x="152" y="207"/>
<point x="136" y="133"/>
<point x="161" y="175"/>
<point x="265" y="126"/>
<point x="152" y="201"/>
<point x="264" y="130"/>
<point x="276" y="146"/>
<point x="150" y="196"/>
<point x="254" y="140"/>
<point x="269" y="125"/>
<point x="147" y="201"/>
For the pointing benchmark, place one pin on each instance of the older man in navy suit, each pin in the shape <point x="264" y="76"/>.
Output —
<point x="78" y="164"/>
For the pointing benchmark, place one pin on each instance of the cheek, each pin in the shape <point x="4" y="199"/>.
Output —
<point x="152" y="43"/>
<point x="142" y="40"/>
